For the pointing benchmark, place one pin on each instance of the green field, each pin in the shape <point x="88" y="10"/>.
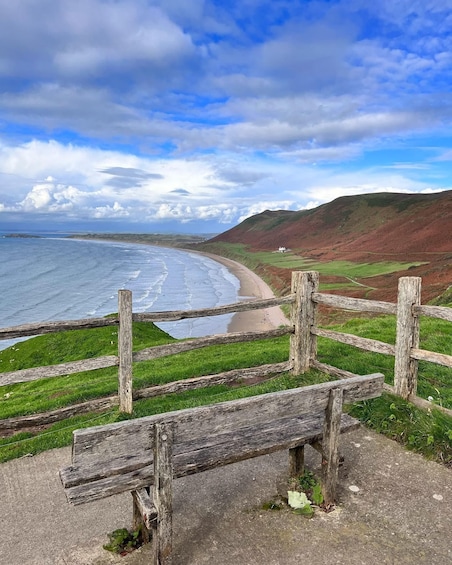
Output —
<point x="291" y="261"/>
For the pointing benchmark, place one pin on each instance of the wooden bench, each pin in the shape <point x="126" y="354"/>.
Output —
<point x="135" y="454"/>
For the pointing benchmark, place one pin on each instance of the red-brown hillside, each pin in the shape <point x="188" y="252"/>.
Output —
<point x="377" y="223"/>
<point x="370" y="228"/>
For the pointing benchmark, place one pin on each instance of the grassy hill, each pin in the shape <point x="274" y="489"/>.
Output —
<point x="409" y="231"/>
<point x="369" y="223"/>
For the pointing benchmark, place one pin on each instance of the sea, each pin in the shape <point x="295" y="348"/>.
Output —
<point x="60" y="278"/>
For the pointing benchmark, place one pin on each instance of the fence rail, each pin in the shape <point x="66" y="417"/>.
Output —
<point x="304" y="301"/>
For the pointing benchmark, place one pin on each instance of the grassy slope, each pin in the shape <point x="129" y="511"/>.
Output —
<point x="430" y="434"/>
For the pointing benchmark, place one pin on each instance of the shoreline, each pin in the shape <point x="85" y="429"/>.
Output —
<point x="251" y="286"/>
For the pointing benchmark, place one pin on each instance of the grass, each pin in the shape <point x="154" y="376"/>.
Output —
<point x="52" y="393"/>
<point x="56" y="392"/>
<point x="291" y="261"/>
<point x="429" y="433"/>
<point x="426" y="432"/>
<point x="434" y="380"/>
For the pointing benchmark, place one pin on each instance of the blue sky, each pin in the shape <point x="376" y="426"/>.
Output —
<point x="189" y="116"/>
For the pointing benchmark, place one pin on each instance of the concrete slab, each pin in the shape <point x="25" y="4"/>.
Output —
<point x="398" y="512"/>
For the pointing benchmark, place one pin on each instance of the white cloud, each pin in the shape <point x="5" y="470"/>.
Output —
<point x="37" y="199"/>
<point x="314" y="154"/>
<point x="89" y="36"/>
<point x="444" y="156"/>
<point x="204" y="189"/>
<point x="115" y="211"/>
<point x="259" y="207"/>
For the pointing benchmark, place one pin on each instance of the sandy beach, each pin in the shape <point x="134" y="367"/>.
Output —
<point x="251" y="286"/>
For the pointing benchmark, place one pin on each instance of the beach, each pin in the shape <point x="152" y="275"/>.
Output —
<point x="251" y="286"/>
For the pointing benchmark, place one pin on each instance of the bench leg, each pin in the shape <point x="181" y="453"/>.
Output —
<point x="163" y="493"/>
<point x="330" y="454"/>
<point x="144" y="513"/>
<point x="296" y="461"/>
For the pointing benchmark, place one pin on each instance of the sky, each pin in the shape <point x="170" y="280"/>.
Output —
<point x="192" y="115"/>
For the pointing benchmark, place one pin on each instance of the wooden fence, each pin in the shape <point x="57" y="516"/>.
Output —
<point x="304" y="301"/>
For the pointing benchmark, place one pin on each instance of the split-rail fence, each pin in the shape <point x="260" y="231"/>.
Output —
<point x="304" y="301"/>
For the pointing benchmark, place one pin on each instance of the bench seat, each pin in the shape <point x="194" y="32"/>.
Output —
<point x="84" y="484"/>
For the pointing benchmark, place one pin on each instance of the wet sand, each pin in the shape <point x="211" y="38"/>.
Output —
<point x="251" y="286"/>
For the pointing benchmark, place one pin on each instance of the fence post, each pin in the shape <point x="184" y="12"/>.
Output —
<point x="125" y="351"/>
<point x="407" y="336"/>
<point x="303" y="344"/>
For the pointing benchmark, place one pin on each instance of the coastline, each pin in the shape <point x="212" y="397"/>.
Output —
<point x="251" y="286"/>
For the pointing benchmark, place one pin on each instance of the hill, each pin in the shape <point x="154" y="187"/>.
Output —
<point x="368" y="228"/>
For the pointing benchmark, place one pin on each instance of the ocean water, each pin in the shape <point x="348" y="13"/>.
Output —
<point x="58" y="278"/>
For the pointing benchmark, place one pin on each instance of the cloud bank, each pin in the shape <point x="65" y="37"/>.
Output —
<point x="194" y="115"/>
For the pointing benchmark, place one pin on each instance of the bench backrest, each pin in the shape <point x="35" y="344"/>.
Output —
<point x="118" y="457"/>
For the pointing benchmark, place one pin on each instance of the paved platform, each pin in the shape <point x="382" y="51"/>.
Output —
<point x="397" y="512"/>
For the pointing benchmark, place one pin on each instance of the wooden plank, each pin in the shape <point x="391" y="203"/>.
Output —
<point x="358" y="304"/>
<point x="163" y="493"/>
<point x="227" y="377"/>
<point x="361" y="342"/>
<point x="220" y="339"/>
<point x="440" y="312"/>
<point x="39" y="328"/>
<point x="427" y="405"/>
<point x="36" y="373"/>
<point x="125" y="351"/>
<point x="330" y="444"/>
<point x="242" y="306"/>
<point x="333" y="371"/>
<point x="86" y="483"/>
<point x="11" y="425"/>
<point x="283" y="433"/>
<point x="123" y="438"/>
<point x="438" y="358"/>
<point x="145" y="513"/>
<point x="407" y="336"/>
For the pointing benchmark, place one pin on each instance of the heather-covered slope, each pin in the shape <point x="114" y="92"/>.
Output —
<point x="376" y="223"/>
<point x="366" y="228"/>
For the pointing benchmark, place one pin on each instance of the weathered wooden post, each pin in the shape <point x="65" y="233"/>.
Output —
<point x="303" y="344"/>
<point x="125" y="351"/>
<point x="407" y="336"/>
<point x="163" y="493"/>
<point x="330" y="442"/>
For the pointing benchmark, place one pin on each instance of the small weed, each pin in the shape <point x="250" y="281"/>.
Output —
<point x="306" y="481"/>
<point x="305" y="492"/>
<point x="309" y="484"/>
<point x="123" y="541"/>
<point x="316" y="495"/>
<point x="305" y="510"/>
